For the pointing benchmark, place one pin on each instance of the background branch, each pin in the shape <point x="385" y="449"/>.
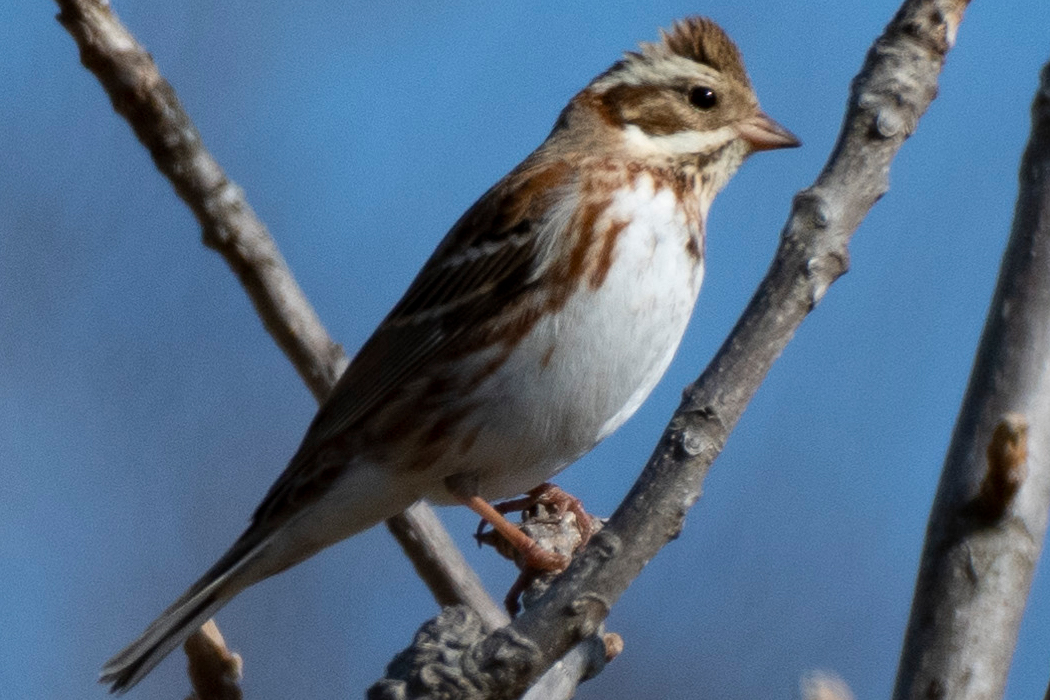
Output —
<point x="894" y="88"/>
<point x="890" y="348"/>
<point x="149" y="104"/>
<point x="988" y="520"/>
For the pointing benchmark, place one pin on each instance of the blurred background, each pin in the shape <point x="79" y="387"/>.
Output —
<point x="144" y="411"/>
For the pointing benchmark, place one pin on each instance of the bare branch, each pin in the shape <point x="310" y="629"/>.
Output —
<point x="821" y="685"/>
<point x="989" y="517"/>
<point x="438" y="664"/>
<point x="149" y="104"/>
<point x="894" y="88"/>
<point x="213" y="669"/>
<point x="441" y="565"/>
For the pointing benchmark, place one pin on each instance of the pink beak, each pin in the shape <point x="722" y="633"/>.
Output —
<point x="764" y="134"/>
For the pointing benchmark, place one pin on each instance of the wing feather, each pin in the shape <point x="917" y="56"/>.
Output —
<point x="485" y="261"/>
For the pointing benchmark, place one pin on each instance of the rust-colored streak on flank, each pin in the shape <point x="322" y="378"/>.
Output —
<point x="445" y="426"/>
<point x="520" y="321"/>
<point x="438" y="437"/>
<point x="468" y="440"/>
<point x="545" y="361"/>
<point x="526" y="195"/>
<point x="605" y="256"/>
<point x="488" y="369"/>
<point x="583" y="226"/>
<point x="685" y="189"/>
<point x="692" y="249"/>
<point x="568" y="268"/>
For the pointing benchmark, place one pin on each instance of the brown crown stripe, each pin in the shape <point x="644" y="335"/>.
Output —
<point x="701" y="40"/>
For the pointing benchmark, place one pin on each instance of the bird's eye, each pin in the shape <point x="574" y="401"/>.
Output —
<point x="703" y="97"/>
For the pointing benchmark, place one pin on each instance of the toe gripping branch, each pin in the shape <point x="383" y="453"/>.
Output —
<point x="554" y="526"/>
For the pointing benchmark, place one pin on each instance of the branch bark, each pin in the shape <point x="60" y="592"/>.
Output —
<point x="142" y="96"/>
<point x="214" y="671"/>
<point x="989" y="517"/>
<point x="894" y="88"/>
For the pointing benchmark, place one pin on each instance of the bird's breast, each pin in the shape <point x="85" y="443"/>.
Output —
<point x="587" y="364"/>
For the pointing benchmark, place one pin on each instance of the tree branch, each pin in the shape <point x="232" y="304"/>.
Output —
<point x="213" y="669"/>
<point x="149" y="104"/>
<point x="989" y="517"/>
<point x="894" y="88"/>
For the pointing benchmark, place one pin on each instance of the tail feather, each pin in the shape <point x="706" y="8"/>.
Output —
<point x="203" y="599"/>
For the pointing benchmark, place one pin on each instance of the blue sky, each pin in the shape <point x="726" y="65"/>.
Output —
<point x="144" y="411"/>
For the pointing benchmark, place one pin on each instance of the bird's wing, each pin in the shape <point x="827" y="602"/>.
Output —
<point x="488" y="258"/>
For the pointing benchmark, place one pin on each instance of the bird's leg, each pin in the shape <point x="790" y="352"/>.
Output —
<point x="534" y="557"/>
<point x="553" y="497"/>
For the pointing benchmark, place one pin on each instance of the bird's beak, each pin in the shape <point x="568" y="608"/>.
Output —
<point x="764" y="134"/>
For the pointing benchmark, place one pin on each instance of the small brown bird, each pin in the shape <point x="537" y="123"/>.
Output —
<point x="539" y="325"/>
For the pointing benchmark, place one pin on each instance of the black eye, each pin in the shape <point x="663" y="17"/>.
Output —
<point x="703" y="97"/>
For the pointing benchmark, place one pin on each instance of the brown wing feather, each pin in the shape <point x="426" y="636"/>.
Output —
<point x="485" y="261"/>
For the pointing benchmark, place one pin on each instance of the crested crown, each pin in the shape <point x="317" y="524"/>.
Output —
<point x="700" y="39"/>
<point x="696" y="39"/>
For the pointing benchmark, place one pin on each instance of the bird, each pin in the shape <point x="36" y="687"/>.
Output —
<point x="540" y="323"/>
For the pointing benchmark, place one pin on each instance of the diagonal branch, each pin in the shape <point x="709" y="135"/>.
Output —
<point x="989" y="517"/>
<point x="895" y="86"/>
<point x="229" y="225"/>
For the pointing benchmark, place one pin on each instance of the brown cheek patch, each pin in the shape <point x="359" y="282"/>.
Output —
<point x="602" y="106"/>
<point x="646" y="107"/>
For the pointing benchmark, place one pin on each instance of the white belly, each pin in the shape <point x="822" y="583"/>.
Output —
<point x="581" y="372"/>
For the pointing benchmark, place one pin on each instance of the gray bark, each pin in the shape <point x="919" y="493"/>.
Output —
<point x="894" y="88"/>
<point x="989" y="517"/>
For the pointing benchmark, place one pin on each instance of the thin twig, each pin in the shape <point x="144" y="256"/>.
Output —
<point x="989" y="517"/>
<point x="894" y="88"/>
<point x="214" y="671"/>
<point x="149" y="104"/>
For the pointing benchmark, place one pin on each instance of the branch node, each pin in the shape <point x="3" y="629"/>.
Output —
<point x="605" y="544"/>
<point x="688" y="436"/>
<point x="1007" y="455"/>
<point x="821" y="685"/>
<point x="613" y="645"/>
<point x="811" y="211"/>
<point x="888" y="123"/>
<point x="692" y="442"/>
<point x="434" y="662"/>
<point x="822" y="270"/>
<point x="213" y="669"/>
<point x="590" y="609"/>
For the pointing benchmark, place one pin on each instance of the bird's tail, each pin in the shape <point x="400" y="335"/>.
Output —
<point x="203" y="599"/>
